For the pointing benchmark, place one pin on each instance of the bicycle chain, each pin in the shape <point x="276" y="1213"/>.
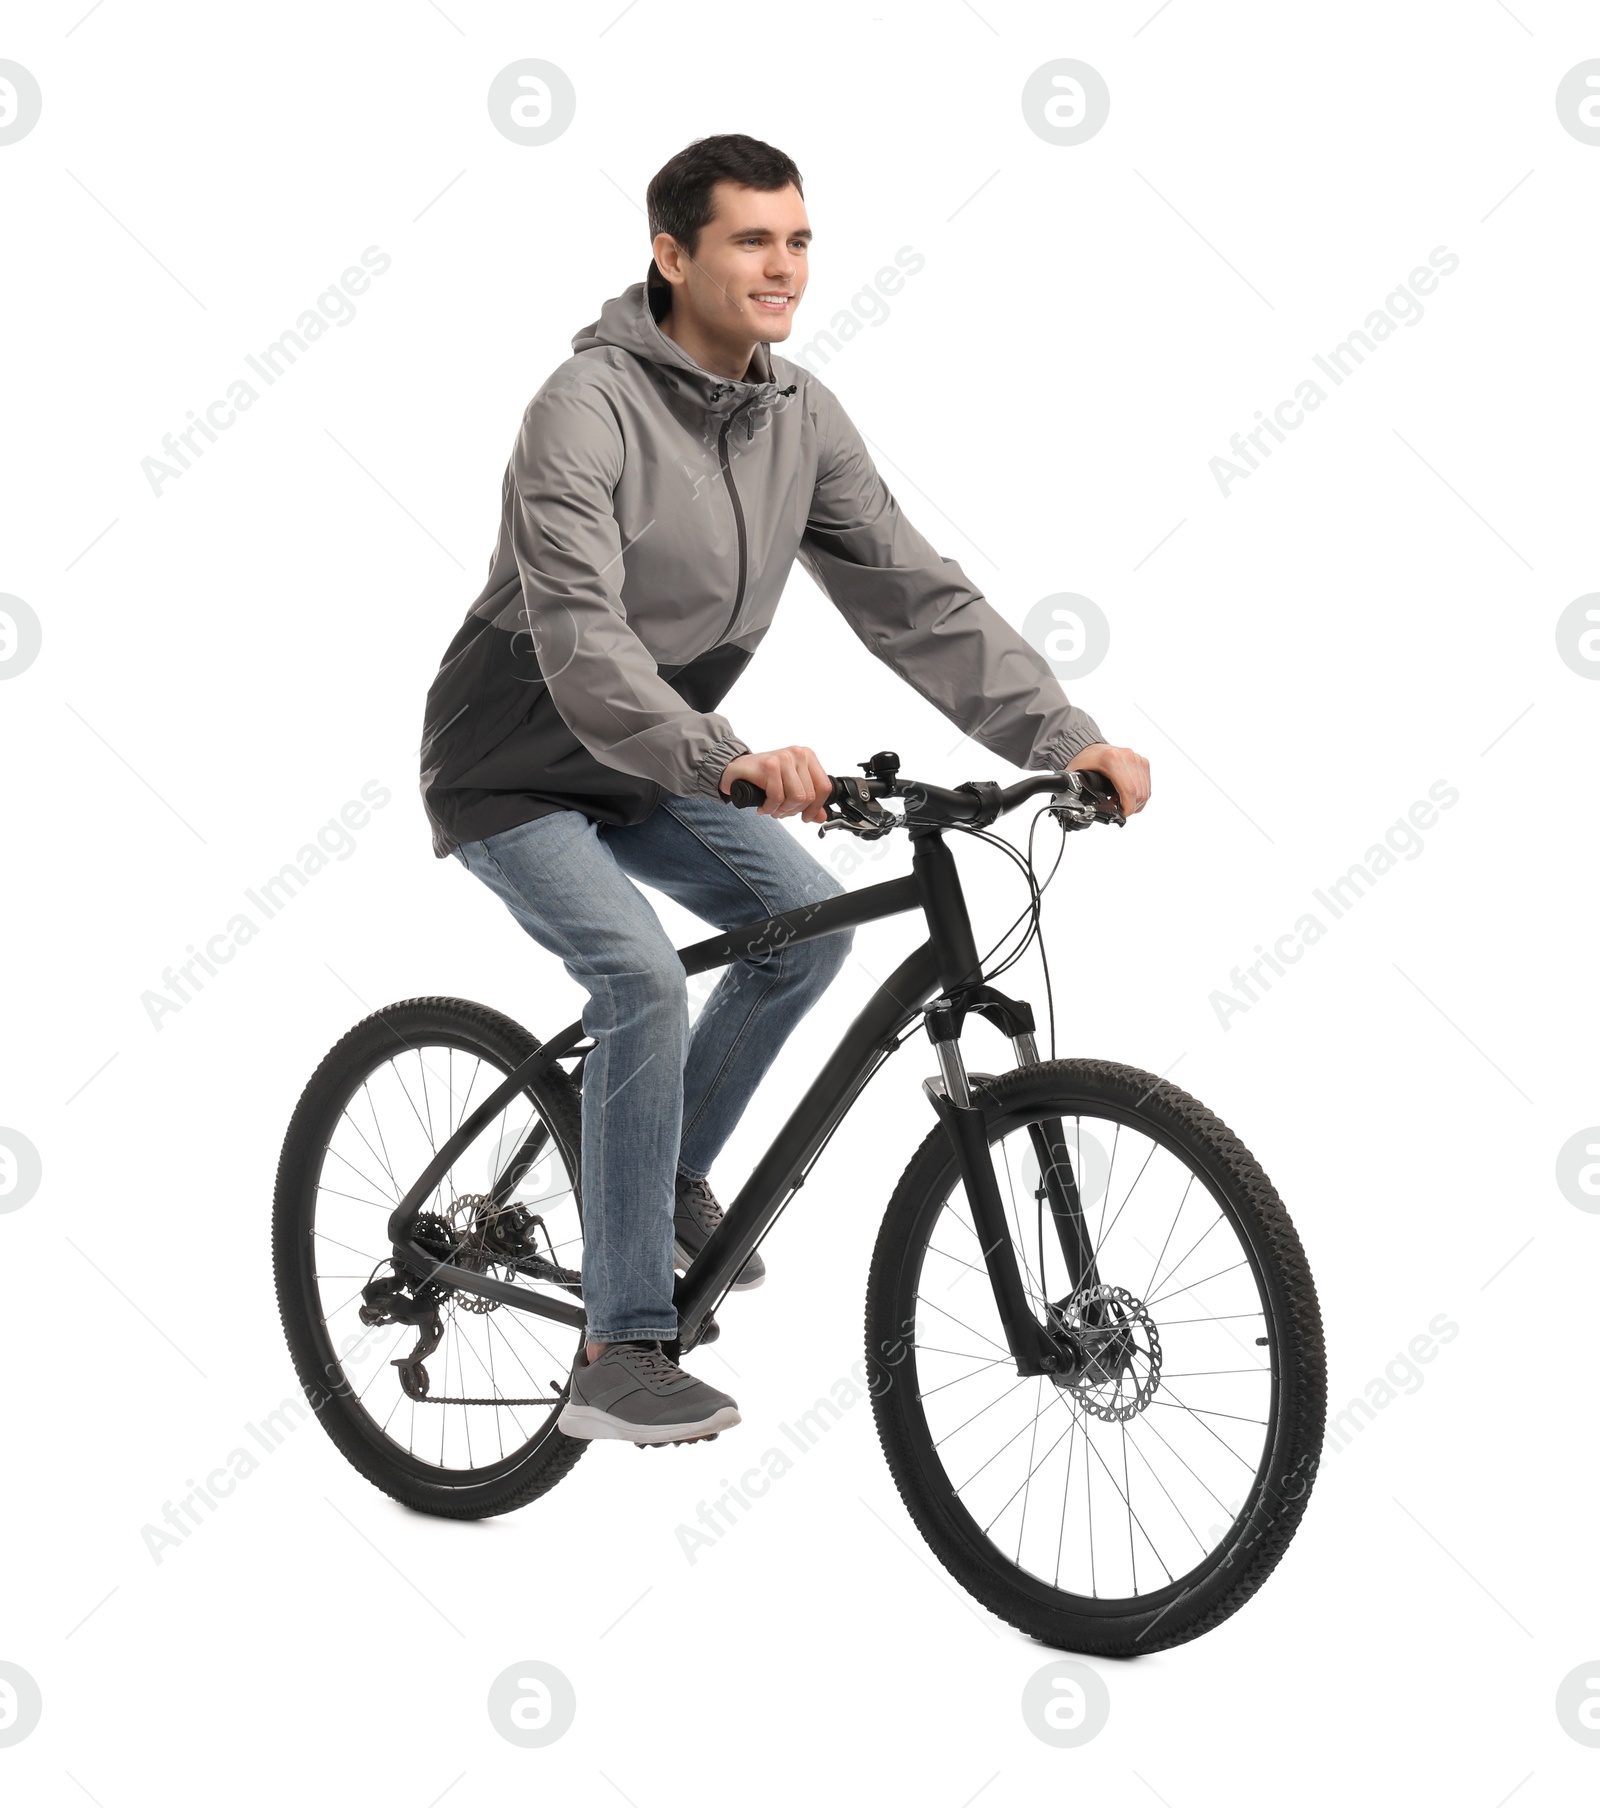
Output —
<point x="463" y="1400"/>
<point x="427" y="1399"/>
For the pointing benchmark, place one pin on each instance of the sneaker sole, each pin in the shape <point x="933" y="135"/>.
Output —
<point x="681" y="1259"/>
<point x="579" y="1421"/>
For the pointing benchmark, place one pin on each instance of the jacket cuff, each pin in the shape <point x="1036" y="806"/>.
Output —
<point x="1081" y="731"/>
<point x="713" y="763"/>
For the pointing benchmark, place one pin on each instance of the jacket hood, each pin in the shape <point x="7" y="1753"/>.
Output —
<point x="629" y="323"/>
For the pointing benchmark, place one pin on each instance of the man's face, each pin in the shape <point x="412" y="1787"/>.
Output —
<point x="745" y="277"/>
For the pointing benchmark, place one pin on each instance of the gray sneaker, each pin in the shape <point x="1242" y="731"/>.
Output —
<point x="695" y="1215"/>
<point x="635" y="1390"/>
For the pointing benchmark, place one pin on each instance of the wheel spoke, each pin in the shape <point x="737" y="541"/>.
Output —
<point x="1126" y="1197"/>
<point x="1219" y="1219"/>
<point x="340" y="1155"/>
<point x="1133" y="1517"/>
<point x="995" y="1363"/>
<point x="1190" y="1287"/>
<point x="365" y="1255"/>
<point x="922" y="1300"/>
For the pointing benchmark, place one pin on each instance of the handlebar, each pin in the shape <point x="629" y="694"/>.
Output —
<point x="1082" y="798"/>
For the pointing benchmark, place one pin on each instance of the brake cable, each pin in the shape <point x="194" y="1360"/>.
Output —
<point x="1034" y="909"/>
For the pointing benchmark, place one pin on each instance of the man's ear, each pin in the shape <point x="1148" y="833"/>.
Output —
<point x="668" y="254"/>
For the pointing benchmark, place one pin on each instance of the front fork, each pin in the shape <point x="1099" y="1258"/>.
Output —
<point x="1036" y="1348"/>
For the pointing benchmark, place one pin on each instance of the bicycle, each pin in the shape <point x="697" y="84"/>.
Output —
<point x="1022" y="1379"/>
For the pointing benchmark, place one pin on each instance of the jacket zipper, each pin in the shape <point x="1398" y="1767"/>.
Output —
<point x="738" y="522"/>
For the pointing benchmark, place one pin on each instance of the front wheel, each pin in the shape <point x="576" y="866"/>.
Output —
<point x="1142" y="1503"/>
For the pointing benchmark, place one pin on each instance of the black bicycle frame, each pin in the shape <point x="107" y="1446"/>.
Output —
<point x="945" y="969"/>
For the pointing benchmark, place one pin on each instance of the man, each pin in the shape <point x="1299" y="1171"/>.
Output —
<point x="664" y="480"/>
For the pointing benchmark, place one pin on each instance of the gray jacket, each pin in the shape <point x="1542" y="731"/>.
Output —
<point x="649" y="518"/>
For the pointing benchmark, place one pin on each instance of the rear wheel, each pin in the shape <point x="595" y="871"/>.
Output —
<point x="1145" y="1502"/>
<point x="455" y="1412"/>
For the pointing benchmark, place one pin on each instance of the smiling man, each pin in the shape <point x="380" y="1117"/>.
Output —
<point x="664" y="482"/>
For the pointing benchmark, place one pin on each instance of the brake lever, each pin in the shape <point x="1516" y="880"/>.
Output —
<point x="1086" y="798"/>
<point x="859" y="812"/>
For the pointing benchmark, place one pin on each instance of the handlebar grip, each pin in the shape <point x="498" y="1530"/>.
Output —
<point x="745" y="795"/>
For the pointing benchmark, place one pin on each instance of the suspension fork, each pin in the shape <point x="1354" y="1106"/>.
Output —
<point x="1059" y="1179"/>
<point x="1060" y="1184"/>
<point x="1057" y="1175"/>
<point x="1036" y="1348"/>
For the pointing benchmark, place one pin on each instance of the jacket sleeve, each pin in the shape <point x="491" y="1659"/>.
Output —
<point x="602" y="678"/>
<point x="921" y="614"/>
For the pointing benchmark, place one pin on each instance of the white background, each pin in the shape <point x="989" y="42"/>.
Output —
<point x="229" y="662"/>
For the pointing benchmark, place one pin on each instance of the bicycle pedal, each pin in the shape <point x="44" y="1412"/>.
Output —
<point x="708" y="1437"/>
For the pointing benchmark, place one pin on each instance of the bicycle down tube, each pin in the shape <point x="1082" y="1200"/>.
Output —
<point x="946" y="967"/>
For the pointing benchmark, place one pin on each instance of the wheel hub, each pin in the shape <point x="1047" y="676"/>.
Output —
<point x="1121" y="1346"/>
<point x="476" y="1230"/>
<point x="477" y="1234"/>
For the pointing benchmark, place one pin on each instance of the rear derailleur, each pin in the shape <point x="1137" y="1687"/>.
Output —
<point x="385" y="1301"/>
<point x="477" y="1235"/>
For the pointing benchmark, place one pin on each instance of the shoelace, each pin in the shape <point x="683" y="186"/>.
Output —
<point x="702" y="1204"/>
<point x="653" y="1360"/>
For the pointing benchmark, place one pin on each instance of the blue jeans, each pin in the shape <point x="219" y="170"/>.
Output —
<point x="656" y="1098"/>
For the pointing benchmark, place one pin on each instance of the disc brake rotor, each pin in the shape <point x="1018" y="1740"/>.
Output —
<point x="1123" y="1348"/>
<point x="472" y="1219"/>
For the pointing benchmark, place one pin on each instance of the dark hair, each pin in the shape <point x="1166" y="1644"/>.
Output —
<point x="678" y="199"/>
